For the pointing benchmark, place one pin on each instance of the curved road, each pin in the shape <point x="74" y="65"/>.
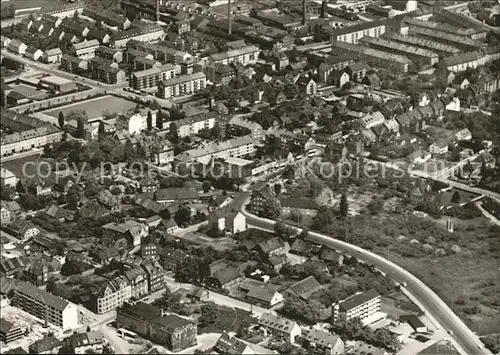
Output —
<point x="431" y="302"/>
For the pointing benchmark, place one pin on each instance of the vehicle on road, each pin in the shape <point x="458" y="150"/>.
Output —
<point x="450" y="332"/>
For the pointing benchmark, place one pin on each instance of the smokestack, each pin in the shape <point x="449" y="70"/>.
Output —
<point x="158" y="10"/>
<point x="324" y="5"/>
<point x="229" y="16"/>
<point x="304" y="15"/>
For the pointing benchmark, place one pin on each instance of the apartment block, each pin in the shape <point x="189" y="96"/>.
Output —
<point x="362" y="306"/>
<point x="145" y="32"/>
<point x="352" y="34"/>
<point x="152" y="77"/>
<point x="461" y="42"/>
<point x="85" y="49"/>
<point x="111" y="295"/>
<point x="182" y="85"/>
<point x="9" y="332"/>
<point x="416" y="54"/>
<point x="192" y="125"/>
<point x="45" y="306"/>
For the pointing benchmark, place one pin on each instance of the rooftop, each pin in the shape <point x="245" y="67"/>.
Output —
<point x="357" y="300"/>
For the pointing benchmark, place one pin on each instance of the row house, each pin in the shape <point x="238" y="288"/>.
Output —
<point x="144" y="33"/>
<point x="30" y="139"/>
<point x="131" y="231"/>
<point x="352" y="34"/>
<point x="98" y="34"/>
<point x="112" y="54"/>
<point x="332" y="63"/>
<point x="144" y="63"/>
<point x="182" y="85"/>
<point x="109" y="18"/>
<point x="53" y="55"/>
<point x="240" y="126"/>
<point x="138" y="282"/>
<point x="159" y="52"/>
<point x="246" y="55"/>
<point x="110" y="74"/>
<point x="111" y="295"/>
<point x="219" y="73"/>
<point x="79" y="29"/>
<point x="73" y="64"/>
<point x="85" y="49"/>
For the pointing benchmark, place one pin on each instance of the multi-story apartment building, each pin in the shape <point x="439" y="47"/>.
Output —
<point x="361" y="305"/>
<point x="111" y="295"/>
<point x="193" y="125"/>
<point x="110" y="74"/>
<point x="461" y="42"/>
<point x="280" y="327"/>
<point x="416" y="54"/>
<point x="112" y="54"/>
<point x="155" y="275"/>
<point x="182" y="85"/>
<point x="352" y="34"/>
<point x="240" y="126"/>
<point x="9" y="332"/>
<point x="441" y="49"/>
<point x="151" y="77"/>
<point x="136" y="123"/>
<point x="145" y="32"/>
<point x="169" y="330"/>
<point x="442" y="27"/>
<point x="30" y="139"/>
<point x="45" y="306"/>
<point x="245" y="55"/>
<point x="474" y="59"/>
<point x="159" y="52"/>
<point x="85" y="49"/>
<point x="462" y="22"/>
<point x="236" y="147"/>
<point x="138" y="282"/>
<point x="377" y="57"/>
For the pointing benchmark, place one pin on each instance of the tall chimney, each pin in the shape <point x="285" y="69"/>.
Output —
<point x="229" y="16"/>
<point x="304" y="15"/>
<point x="324" y="6"/>
<point x="158" y="10"/>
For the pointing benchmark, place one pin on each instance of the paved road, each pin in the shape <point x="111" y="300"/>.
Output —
<point x="432" y="304"/>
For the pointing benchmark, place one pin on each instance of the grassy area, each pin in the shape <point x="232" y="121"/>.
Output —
<point x="229" y="319"/>
<point x="96" y="108"/>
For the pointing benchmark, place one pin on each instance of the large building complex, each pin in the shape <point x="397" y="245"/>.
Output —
<point x="45" y="306"/>
<point x="377" y="57"/>
<point x="362" y="306"/>
<point x="418" y="55"/>
<point x="182" y="85"/>
<point x="236" y="147"/>
<point x="151" y="77"/>
<point x="441" y="49"/>
<point x="169" y="330"/>
<point x="245" y="55"/>
<point x="460" y="42"/>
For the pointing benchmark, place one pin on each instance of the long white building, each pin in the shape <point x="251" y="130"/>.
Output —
<point x="362" y="306"/>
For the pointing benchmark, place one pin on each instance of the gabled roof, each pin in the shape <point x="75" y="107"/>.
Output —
<point x="263" y="293"/>
<point x="281" y="324"/>
<point x="226" y="275"/>
<point x="304" y="288"/>
<point x="271" y="244"/>
<point x="176" y="193"/>
<point x="357" y="300"/>
<point x="41" y="296"/>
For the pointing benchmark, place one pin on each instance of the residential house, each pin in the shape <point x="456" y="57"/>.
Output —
<point x="13" y="266"/>
<point x="302" y="247"/>
<point x="303" y="289"/>
<point x="83" y="343"/>
<point x="37" y="272"/>
<point x="226" y="219"/>
<point x="86" y="49"/>
<point x="53" y="55"/>
<point x="439" y="147"/>
<point x="274" y="246"/>
<point x="276" y="262"/>
<point x="138" y="281"/>
<point x="133" y="231"/>
<point x="9" y="210"/>
<point x="357" y="71"/>
<point x="307" y="86"/>
<point x="322" y="342"/>
<point x="331" y="256"/>
<point x="47" y="345"/>
<point x="266" y="295"/>
<point x="361" y="348"/>
<point x="464" y="134"/>
<point x="176" y="194"/>
<point x="22" y="229"/>
<point x="303" y="206"/>
<point x="154" y="274"/>
<point x="73" y="64"/>
<point x="280" y="327"/>
<point x="224" y="278"/>
<point x="33" y="53"/>
<point x="17" y="47"/>
<point x="414" y="322"/>
<point x="338" y="78"/>
<point x="229" y="344"/>
<point x="170" y="225"/>
<point x="182" y="85"/>
<point x="110" y="295"/>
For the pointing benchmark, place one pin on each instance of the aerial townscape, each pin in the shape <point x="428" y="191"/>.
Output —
<point x="250" y="177"/>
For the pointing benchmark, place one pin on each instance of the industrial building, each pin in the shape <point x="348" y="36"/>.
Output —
<point x="441" y="49"/>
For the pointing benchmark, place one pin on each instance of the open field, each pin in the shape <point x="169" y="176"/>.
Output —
<point x="229" y="319"/>
<point x="95" y="108"/>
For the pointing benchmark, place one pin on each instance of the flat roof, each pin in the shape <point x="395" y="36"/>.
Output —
<point x="55" y="80"/>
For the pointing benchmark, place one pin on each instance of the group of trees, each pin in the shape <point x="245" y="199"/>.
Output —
<point x="355" y="330"/>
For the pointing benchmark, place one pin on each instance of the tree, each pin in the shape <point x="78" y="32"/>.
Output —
<point x="183" y="215"/>
<point x="344" y="207"/>
<point x="456" y="197"/>
<point x="159" y="119"/>
<point x="80" y="130"/>
<point x="209" y="314"/>
<point x="72" y="198"/>
<point x="271" y="209"/>
<point x="61" y="119"/>
<point x="283" y="231"/>
<point x="304" y="234"/>
<point x="206" y="186"/>
<point x="277" y="188"/>
<point x="149" y="121"/>
<point x="101" y="129"/>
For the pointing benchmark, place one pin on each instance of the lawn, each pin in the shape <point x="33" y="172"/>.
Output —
<point x="96" y="108"/>
<point x="229" y="319"/>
